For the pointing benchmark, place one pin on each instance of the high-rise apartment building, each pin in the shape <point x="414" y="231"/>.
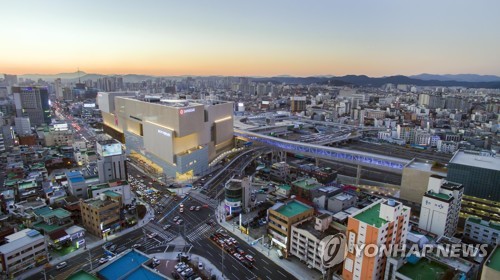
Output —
<point x="58" y="89"/>
<point x="383" y="223"/>
<point x="441" y="206"/>
<point x="32" y="102"/>
<point x="298" y="104"/>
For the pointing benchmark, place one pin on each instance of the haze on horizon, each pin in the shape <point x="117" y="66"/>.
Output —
<point x="257" y="38"/>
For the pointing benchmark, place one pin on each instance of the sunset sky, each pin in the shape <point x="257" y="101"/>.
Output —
<point x="263" y="38"/>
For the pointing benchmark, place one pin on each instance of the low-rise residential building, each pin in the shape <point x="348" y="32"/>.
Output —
<point x="341" y="201"/>
<point x="24" y="250"/>
<point x="303" y="187"/>
<point x="283" y="190"/>
<point x="308" y="241"/>
<point x="279" y="171"/>
<point x="281" y="217"/>
<point x="51" y="220"/>
<point x="101" y="216"/>
<point x="482" y="231"/>
<point x="121" y="187"/>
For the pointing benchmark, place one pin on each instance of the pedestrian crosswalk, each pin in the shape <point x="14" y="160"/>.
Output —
<point x="164" y="234"/>
<point x="200" y="232"/>
<point x="204" y="199"/>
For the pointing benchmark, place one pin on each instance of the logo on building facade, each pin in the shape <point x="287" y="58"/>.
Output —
<point x="185" y="111"/>
<point x="334" y="250"/>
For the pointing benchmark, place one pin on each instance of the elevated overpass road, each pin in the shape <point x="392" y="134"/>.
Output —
<point x="363" y="159"/>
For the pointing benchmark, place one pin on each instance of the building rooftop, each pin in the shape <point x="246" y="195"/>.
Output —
<point x="20" y="239"/>
<point x="47" y="212"/>
<point x="343" y="196"/>
<point x="494" y="261"/>
<point x="490" y="224"/>
<point x="423" y="269"/>
<point x="292" y="208"/>
<point x="309" y="227"/>
<point x="98" y="203"/>
<point x="144" y="273"/>
<point x="285" y="187"/>
<point x="123" y="265"/>
<point x="371" y="216"/>
<point x="427" y="165"/>
<point x="111" y="194"/>
<point x="307" y="184"/>
<point x="440" y="196"/>
<point x="476" y="159"/>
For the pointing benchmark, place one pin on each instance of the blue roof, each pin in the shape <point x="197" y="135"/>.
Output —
<point x="123" y="265"/>
<point x="143" y="273"/>
<point x="73" y="174"/>
<point x="77" y="179"/>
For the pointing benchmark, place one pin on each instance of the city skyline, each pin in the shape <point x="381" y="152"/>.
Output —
<point x="264" y="39"/>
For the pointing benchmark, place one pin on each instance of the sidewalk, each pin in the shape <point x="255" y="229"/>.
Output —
<point x="292" y="265"/>
<point x="90" y="246"/>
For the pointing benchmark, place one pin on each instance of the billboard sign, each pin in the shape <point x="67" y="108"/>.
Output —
<point x="111" y="149"/>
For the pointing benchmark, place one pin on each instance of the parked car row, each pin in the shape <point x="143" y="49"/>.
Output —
<point x="230" y="245"/>
<point x="186" y="272"/>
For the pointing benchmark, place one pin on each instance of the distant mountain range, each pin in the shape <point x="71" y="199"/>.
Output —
<point x="462" y="80"/>
<point x="458" y="77"/>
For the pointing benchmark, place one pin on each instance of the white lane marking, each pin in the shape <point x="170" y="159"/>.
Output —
<point x="281" y="273"/>
<point x="265" y="261"/>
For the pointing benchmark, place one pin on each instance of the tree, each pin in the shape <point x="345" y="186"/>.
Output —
<point x="141" y="211"/>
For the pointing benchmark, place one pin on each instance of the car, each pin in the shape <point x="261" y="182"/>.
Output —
<point x="238" y="256"/>
<point x="240" y="251"/>
<point x="187" y="271"/>
<point x="152" y="218"/>
<point x="156" y="261"/>
<point x="228" y="242"/>
<point x="181" y="205"/>
<point x="248" y="264"/>
<point x="182" y="268"/>
<point x="176" y="218"/>
<point x="197" y="208"/>
<point x="249" y="258"/>
<point x="112" y="248"/>
<point x="167" y="226"/>
<point x="179" y="265"/>
<point x="61" y="265"/>
<point x="181" y="210"/>
<point x="179" y="221"/>
<point x="136" y="246"/>
<point x="103" y="260"/>
<point x="191" y="208"/>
